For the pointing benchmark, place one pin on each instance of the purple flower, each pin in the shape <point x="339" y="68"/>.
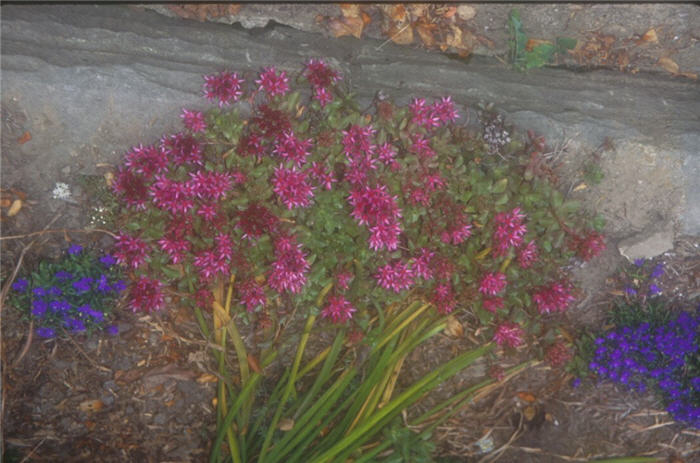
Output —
<point x="576" y="382"/>
<point x="119" y="286"/>
<point x="39" y="307"/>
<point x="74" y="324"/>
<point x="62" y="275"/>
<point x="654" y="290"/>
<point x="113" y="330"/>
<point x="82" y="285"/>
<point x="658" y="270"/>
<point x="40" y="292"/>
<point x="639" y="262"/>
<point x="108" y="260"/>
<point x="102" y="284"/>
<point x="55" y="291"/>
<point x="45" y="332"/>
<point x="631" y="291"/>
<point x="20" y="285"/>
<point x="59" y="306"/>
<point x="75" y="249"/>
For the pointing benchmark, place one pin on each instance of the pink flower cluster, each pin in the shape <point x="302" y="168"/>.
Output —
<point x="131" y="251"/>
<point x="377" y="209"/>
<point x="290" y="148"/>
<point x="272" y="83"/>
<point x="435" y="115"/>
<point x="321" y="77"/>
<point x="492" y="283"/>
<point x="290" y="266"/>
<point x="508" y="334"/>
<point x="509" y="232"/>
<point x="146" y="295"/>
<point x="554" y="297"/>
<point x="252" y="295"/>
<point x="194" y="120"/>
<point x="292" y="187"/>
<point x="589" y="246"/>
<point x="338" y="309"/>
<point x="225" y="87"/>
<point x="396" y="276"/>
<point x="444" y="298"/>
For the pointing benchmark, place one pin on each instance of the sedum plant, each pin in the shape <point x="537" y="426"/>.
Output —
<point x="380" y="221"/>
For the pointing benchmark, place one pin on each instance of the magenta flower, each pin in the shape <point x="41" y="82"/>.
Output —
<point x="175" y="248"/>
<point x="250" y="145"/>
<point x="396" y="277"/>
<point x="182" y="148"/>
<point x="256" y="220"/>
<point x="169" y="195"/>
<point x="194" y="120"/>
<point x="590" y="245"/>
<point x="323" y="96"/>
<point x="421" y="147"/>
<point x="444" y="111"/>
<point x="508" y="334"/>
<point x="210" y="263"/>
<point x="443" y="268"/>
<point x="210" y="185"/>
<point x="357" y="142"/>
<point x="528" y="255"/>
<point x="338" y="309"/>
<point x="444" y="298"/>
<point x="343" y="280"/>
<point x="208" y="211"/>
<point x="421" y="264"/>
<point x="384" y="235"/>
<point x="319" y="74"/>
<point x="252" y="295"/>
<point x="273" y="83"/>
<point x="131" y="187"/>
<point x="292" y="187"/>
<point x="555" y="297"/>
<point x="493" y="304"/>
<point x="224" y="245"/>
<point x="272" y="123"/>
<point x="422" y="114"/>
<point x="146" y="295"/>
<point x="386" y="153"/>
<point x="457" y="234"/>
<point x="319" y="173"/>
<point x="290" y="148"/>
<point x="130" y="250"/>
<point x="224" y="87"/>
<point x="373" y="205"/>
<point x="509" y="231"/>
<point x="492" y="283"/>
<point x="146" y="160"/>
<point x="289" y="268"/>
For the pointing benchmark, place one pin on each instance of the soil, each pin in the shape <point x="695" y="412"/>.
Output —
<point x="145" y="395"/>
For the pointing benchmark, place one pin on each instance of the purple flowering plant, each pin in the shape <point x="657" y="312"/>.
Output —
<point x="75" y="294"/>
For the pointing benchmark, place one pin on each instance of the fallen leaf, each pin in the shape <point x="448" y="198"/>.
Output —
<point x="401" y="36"/>
<point x="466" y="12"/>
<point x="580" y="186"/>
<point x="207" y="378"/>
<point x="350" y="10"/>
<point x="425" y="31"/>
<point x="454" y="328"/>
<point x="526" y="396"/>
<point x="668" y="64"/>
<point x="158" y="376"/>
<point x="689" y="75"/>
<point x="109" y="178"/>
<point x="26" y="136"/>
<point x="532" y="43"/>
<point x="5" y="202"/>
<point x="340" y="27"/>
<point x="15" y="208"/>
<point x="451" y="11"/>
<point x="254" y="364"/>
<point x="529" y="413"/>
<point x="397" y="13"/>
<point x="91" y="406"/>
<point x="649" y="36"/>
<point x="90" y="425"/>
<point x="461" y="40"/>
<point x="286" y="424"/>
<point x="418" y="10"/>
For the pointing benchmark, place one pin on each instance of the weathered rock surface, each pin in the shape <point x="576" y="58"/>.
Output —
<point x="88" y="82"/>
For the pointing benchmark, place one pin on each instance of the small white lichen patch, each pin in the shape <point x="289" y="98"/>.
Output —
<point x="61" y="191"/>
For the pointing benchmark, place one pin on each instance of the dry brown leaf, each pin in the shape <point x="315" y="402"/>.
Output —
<point x="454" y="328"/>
<point x="689" y="75"/>
<point x="418" y="10"/>
<point x="15" y="208"/>
<point x="450" y="12"/>
<point x="397" y="13"/>
<point x="26" y="136"/>
<point x="207" y="378"/>
<point x="532" y="43"/>
<point x="254" y="364"/>
<point x="340" y="27"/>
<point x="401" y="35"/>
<point x="649" y="37"/>
<point x="425" y="31"/>
<point x="109" y="178"/>
<point x="461" y="40"/>
<point x="5" y="202"/>
<point x="669" y="65"/>
<point x="529" y="413"/>
<point x="91" y="406"/>
<point x="350" y="10"/>
<point x="466" y="12"/>
<point x="286" y="424"/>
<point x="526" y="396"/>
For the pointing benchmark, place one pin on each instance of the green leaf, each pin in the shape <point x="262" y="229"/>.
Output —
<point x="500" y="186"/>
<point x="565" y="43"/>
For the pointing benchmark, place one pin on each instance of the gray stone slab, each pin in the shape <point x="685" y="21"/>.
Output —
<point x="89" y="81"/>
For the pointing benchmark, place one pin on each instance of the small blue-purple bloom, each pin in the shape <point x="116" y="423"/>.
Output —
<point x="119" y="286"/>
<point x="576" y="383"/>
<point x="639" y="262"/>
<point x="103" y="284"/>
<point x="20" y="285"/>
<point x="40" y="292"/>
<point x="631" y="291"/>
<point x="39" y="307"/>
<point x="83" y="285"/>
<point x="108" y="260"/>
<point x="113" y="330"/>
<point x="55" y="291"/>
<point x="59" y="306"/>
<point x="654" y="290"/>
<point x="658" y="270"/>
<point x="74" y="324"/>
<point x="45" y="332"/>
<point x="62" y="275"/>
<point x="75" y="249"/>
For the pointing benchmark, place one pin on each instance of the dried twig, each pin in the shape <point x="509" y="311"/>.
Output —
<point x="60" y="230"/>
<point x="92" y="362"/>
